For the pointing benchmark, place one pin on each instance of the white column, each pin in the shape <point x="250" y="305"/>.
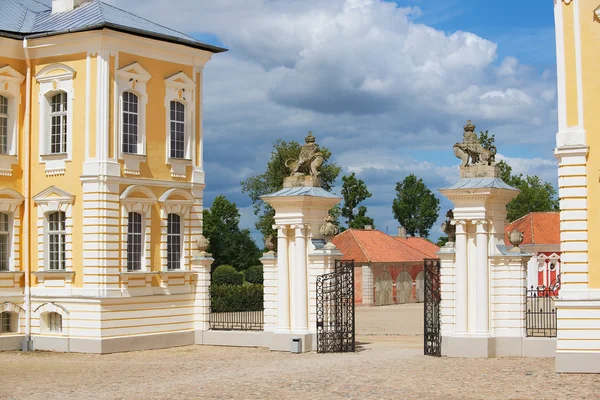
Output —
<point x="482" y="299"/>
<point x="367" y="285"/>
<point x="300" y="281"/>
<point x="461" y="286"/>
<point x="283" y="280"/>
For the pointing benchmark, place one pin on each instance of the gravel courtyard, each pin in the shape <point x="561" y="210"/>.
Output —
<point x="385" y="367"/>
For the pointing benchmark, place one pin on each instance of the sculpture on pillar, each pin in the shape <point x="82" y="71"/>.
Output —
<point x="515" y="238"/>
<point x="202" y="244"/>
<point x="269" y="244"/>
<point x="471" y="149"/>
<point x="329" y="228"/>
<point x="309" y="161"/>
<point x="448" y="228"/>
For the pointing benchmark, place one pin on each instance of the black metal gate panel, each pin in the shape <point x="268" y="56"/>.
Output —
<point x="335" y="309"/>
<point x="433" y="338"/>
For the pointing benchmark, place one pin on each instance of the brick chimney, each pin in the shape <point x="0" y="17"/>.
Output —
<point x="402" y="232"/>
<point x="59" y="6"/>
<point x="368" y="227"/>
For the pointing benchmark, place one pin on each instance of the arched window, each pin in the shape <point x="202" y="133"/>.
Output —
<point x="54" y="322"/>
<point x="6" y="322"/>
<point x="130" y="123"/>
<point x="173" y="241"/>
<point x="58" y="123"/>
<point x="57" y="235"/>
<point x="3" y="125"/>
<point x="4" y="242"/>
<point x="134" y="241"/>
<point x="177" y="129"/>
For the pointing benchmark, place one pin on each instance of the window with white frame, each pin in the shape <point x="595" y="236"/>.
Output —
<point x="4" y="241"/>
<point x="173" y="241"/>
<point x="130" y="123"/>
<point x="6" y="322"/>
<point x="58" y="123"/>
<point x="55" y="322"/>
<point x="177" y="134"/>
<point x="56" y="239"/>
<point x="3" y="125"/>
<point x="135" y="243"/>
<point x="56" y="117"/>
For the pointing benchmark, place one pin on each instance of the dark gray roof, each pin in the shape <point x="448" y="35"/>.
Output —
<point x="31" y="18"/>
<point x="481" y="183"/>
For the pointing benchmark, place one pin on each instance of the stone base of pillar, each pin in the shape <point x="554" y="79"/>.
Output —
<point x="488" y="347"/>
<point x="578" y="363"/>
<point x="270" y="340"/>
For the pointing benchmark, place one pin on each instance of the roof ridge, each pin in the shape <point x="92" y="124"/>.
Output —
<point x="360" y="245"/>
<point x="137" y="16"/>
<point x="414" y="248"/>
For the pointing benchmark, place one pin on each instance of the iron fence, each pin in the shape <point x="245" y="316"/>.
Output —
<point x="237" y="321"/>
<point x="541" y="311"/>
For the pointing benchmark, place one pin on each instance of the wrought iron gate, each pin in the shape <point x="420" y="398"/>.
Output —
<point x="335" y="309"/>
<point x="433" y="339"/>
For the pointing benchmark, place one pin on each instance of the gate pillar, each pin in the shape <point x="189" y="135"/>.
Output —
<point x="301" y="256"/>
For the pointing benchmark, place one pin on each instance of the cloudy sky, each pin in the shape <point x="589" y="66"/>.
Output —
<point x="387" y="86"/>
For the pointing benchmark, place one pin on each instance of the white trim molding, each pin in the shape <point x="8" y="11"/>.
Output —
<point x="133" y="78"/>
<point x="54" y="79"/>
<point x="181" y="207"/>
<point x="10" y="87"/>
<point x="10" y="203"/>
<point x="42" y="313"/>
<point x="181" y="88"/>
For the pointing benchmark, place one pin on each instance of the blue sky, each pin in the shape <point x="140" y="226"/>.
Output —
<point x="386" y="86"/>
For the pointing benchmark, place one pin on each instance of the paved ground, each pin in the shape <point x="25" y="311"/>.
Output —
<point x="400" y="319"/>
<point x="384" y="367"/>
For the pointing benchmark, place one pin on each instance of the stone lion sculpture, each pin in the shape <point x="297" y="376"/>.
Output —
<point x="309" y="161"/>
<point x="471" y="149"/>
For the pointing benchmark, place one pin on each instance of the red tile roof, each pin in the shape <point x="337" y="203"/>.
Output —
<point x="421" y="244"/>
<point x="375" y="246"/>
<point x="537" y="228"/>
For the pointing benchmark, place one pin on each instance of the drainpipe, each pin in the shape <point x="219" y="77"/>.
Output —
<point x="27" y="344"/>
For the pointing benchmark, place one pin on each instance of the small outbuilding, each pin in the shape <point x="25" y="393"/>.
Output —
<point x="388" y="270"/>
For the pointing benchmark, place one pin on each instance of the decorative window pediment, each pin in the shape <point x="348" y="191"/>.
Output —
<point x="54" y="73"/>
<point x="53" y="199"/>
<point x="135" y="72"/>
<point x="9" y="75"/>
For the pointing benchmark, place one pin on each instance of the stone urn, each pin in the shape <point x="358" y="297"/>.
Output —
<point x="329" y="229"/>
<point x="202" y="244"/>
<point x="269" y="244"/>
<point x="515" y="238"/>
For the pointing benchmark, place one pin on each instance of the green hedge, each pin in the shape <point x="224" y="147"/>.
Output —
<point x="227" y="275"/>
<point x="229" y="298"/>
<point x="254" y="274"/>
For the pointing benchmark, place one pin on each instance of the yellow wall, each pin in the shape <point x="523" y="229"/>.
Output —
<point x="590" y="40"/>
<point x="70" y="181"/>
<point x="570" y="68"/>
<point x="156" y="123"/>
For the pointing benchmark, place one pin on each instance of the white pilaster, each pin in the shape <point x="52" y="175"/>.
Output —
<point x="283" y="280"/>
<point x="367" y="285"/>
<point x="201" y="265"/>
<point x="300" y="279"/>
<point x="482" y="280"/>
<point x="461" y="285"/>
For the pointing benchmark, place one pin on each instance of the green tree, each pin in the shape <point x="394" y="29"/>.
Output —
<point x="229" y="244"/>
<point x="415" y="207"/>
<point x="442" y="240"/>
<point x="361" y="220"/>
<point x="536" y="195"/>
<point x="354" y="192"/>
<point x="272" y="180"/>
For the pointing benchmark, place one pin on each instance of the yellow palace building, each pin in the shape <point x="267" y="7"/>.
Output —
<point x="101" y="178"/>
<point x="578" y="151"/>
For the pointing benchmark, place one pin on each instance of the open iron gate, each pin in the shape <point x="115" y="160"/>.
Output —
<point x="335" y="309"/>
<point x="433" y="339"/>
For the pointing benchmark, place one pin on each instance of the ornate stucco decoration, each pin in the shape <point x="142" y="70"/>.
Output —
<point x="329" y="229"/>
<point x="309" y="161"/>
<point x="449" y="228"/>
<point x="471" y="150"/>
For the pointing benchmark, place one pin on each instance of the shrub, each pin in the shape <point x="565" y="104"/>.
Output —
<point x="230" y="298"/>
<point x="226" y="275"/>
<point x="254" y="274"/>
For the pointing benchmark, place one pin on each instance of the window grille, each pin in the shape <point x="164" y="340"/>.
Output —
<point x="4" y="242"/>
<point x="58" y="131"/>
<point x="177" y="130"/>
<point x="134" y="242"/>
<point x="54" y="322"/>
<point x="3" y="125"/>
<point x="173" y="242"/>
<point x="57" y="236"/>
<point x="130" y="123"/>
<point x="6" y="322"/>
